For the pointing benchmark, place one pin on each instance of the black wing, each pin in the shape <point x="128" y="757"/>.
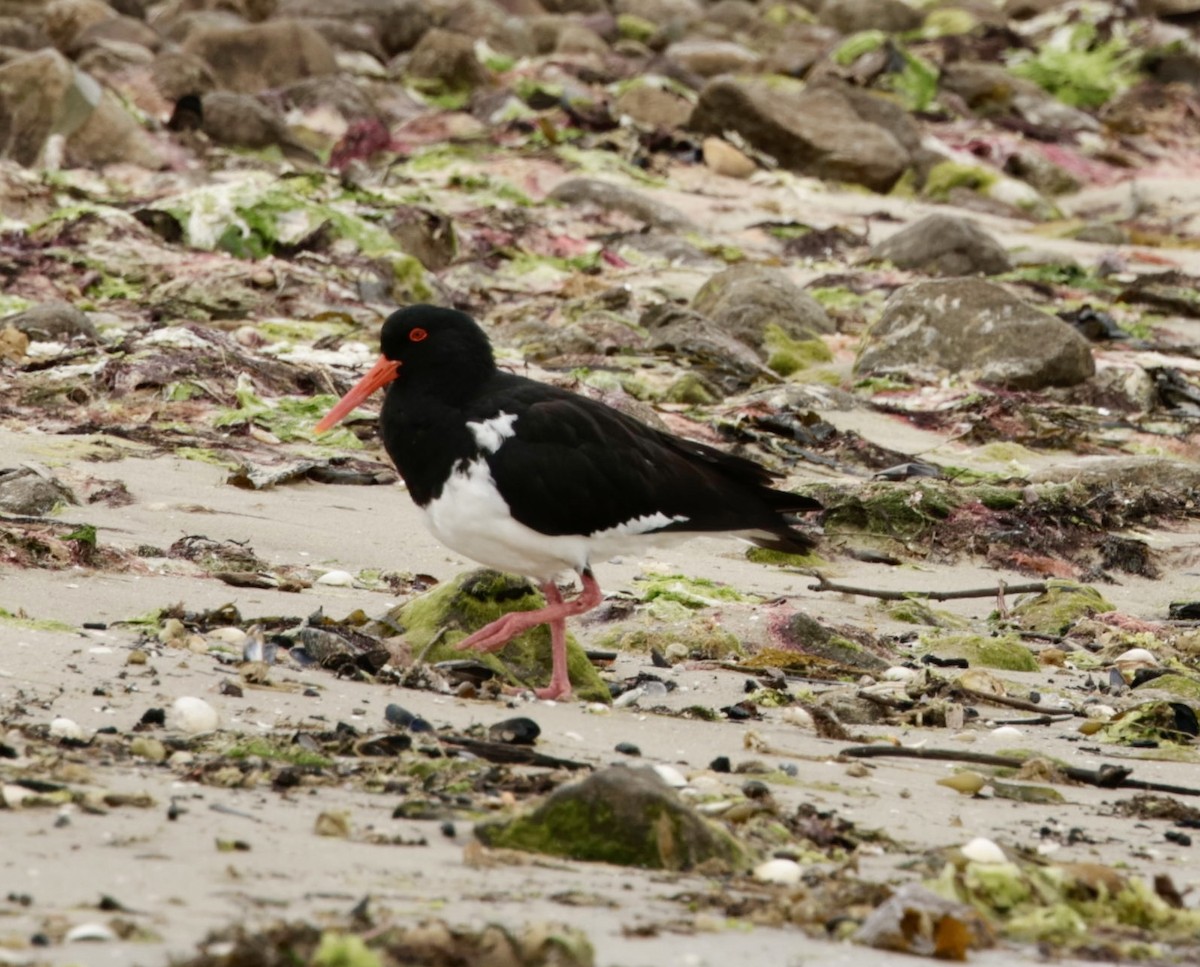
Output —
<point x="577" y="466"/>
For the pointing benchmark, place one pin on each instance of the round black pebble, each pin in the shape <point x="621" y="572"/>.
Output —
<point x="448" y="829"/>
<point x="1183" y="839"/>
<point x="755" y="789"/>
<point x="721" y="764"/>
<point x="154" y="716"/>
<point x="628" y="748"/>
<point x="515" y="731"/>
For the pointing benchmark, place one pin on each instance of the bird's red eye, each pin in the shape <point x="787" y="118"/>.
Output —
<point x="416" y="335"/>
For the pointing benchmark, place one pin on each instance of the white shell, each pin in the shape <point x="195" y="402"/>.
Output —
<point x="784" y="872"/>
<point x="192" y="715"/>
<point x="90" y="931"/>
<point x="671" y="776"/>
<point x="62" y="728"/>
<point x="1138" y="654"/>
<point x="337" y="579"/>
<point x="983" y="850"/>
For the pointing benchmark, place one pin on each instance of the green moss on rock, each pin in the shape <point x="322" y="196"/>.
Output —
<point x="1056" y="609"/>
<point x="621" y="815"/>
<point x="786" y="355"/>
<point x="1006" y="652"/>
<point x="462" y="606"/>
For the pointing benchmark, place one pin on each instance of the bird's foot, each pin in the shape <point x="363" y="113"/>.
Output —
<point x="554" y="691"/>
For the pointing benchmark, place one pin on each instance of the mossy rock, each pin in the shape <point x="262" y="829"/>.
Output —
<point x="787" y="355"/>
<point x="463" y="606"/>
<point x="917" y="611"/>
<point x="1181" y="686"/>
<point x="1007" y="652"/>
<point x="1056" y="609"/>
<point x="700" y="638"/>
<point x="621" y="815"/>
<point x="766" y="555"/>
<point x="1152" y="722"/>
<point x="807" y="635"/>
<point x="997" y="498"/>
<point x="904" y="511"/>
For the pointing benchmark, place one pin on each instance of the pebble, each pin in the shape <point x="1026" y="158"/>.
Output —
<point x="64" y="728"/>
<point x="229" y="635"/>
<point x="721" y="764"/>
<point x="146" y="747"/>
<point x="336" y="579"/>
<point x="515" y="731"/>
<point x="898" y="673"/>
<point x="795" y="715"/>
<point x="192" y="715"/>
<point x="1006" y="732"/>
<point x="724" y="159"/>
<point x="172" y="630"/>
<point x="983" y="850"/>
<point x="627" y="748"/>
<point x="628" y="699"/>
<point x="783" y="872"/>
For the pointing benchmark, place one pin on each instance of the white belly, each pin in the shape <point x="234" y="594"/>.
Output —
<point x="470" y="517"/>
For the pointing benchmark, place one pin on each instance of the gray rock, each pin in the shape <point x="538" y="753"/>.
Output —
<point x="43" y="95"/>
<point x="990" y="89"/>
<point x="449" y="58"/>
<point x="818" y="131"/>
<point x="176" y="74"/>
<point x="976" y="328"/>
<point x="944" y="245"/>
<point x="32" y="492"/>
<point x="260" y="56"/>
<point x="852" y="16"/>
<point x="605" y="194"/>
<point x="652" y="105"/>
<point x="708" y="58"/>
<point x="398" y="24"/>
<point x="243" y="121"/>
<point x="744" y="299"/>
<point x="52" y="321"/>
<point x="621" y="815"/>
<point x="703" y="347"/>
<point x="20" y="34"/>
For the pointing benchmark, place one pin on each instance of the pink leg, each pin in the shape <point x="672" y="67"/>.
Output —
<point x="500" y="632"/>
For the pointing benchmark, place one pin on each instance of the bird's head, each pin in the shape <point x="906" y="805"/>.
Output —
<point x="443" y="350"/>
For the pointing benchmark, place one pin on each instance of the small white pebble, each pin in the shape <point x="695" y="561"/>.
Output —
<point x="1006" y="732"/>
<point x="784" y="872"/>
<point x="794" y="715"/>
<point x="627" y="699"/>
<point x="1101" y="712"/>
<point x="63" y="728"/>
<point x="898" y="673"/>
<point x="983" y="850"/>
<point x="192" y="715"/>
<point x="671" y="776"/>
<point x="337" y="579"/>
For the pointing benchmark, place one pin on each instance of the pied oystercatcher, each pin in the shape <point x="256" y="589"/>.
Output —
<point x="536" y="480"/>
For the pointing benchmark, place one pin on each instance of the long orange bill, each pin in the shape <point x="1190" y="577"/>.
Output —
<point x="382" y="373"/>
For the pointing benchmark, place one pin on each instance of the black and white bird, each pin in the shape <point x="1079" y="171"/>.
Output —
<point x="536" y="480"/>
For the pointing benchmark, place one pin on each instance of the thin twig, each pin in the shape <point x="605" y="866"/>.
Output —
<point x="1023" y="704"/>
<point x="1106" y="777"/>
<point x="822" y="584"/>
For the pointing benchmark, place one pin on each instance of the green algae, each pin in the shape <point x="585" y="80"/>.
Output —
<point x="33" y="624"/>
<point x="1181" y="686"/>
<point x="765" y="555"/>
<point x="903" y="511"/>
<point x="700" y="638"/>
<point x="277" y="752"/>
<point x="436" y="620"/>
<point x="691" y="592"/>
<point x="1006" y="652"/>
<point x="623" y="816"/>
<point x="917" y="611"/>
<point x="1055" y="610"/>
<point x="786" y="355"/>
<point x="948" y="175"/>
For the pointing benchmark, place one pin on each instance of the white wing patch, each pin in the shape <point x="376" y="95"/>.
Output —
<point x="645" y="524"/>
<point x="489" y="434"/>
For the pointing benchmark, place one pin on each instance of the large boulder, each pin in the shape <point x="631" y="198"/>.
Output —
<point x="252" y="59"/>
<point x="822" y="131"/>
<point x="975" y="328"/>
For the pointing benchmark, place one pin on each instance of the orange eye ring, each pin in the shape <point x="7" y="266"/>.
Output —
<point x="417" y="335"/>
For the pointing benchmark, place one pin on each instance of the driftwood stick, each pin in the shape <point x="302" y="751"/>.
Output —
<point x="824" y="585"/>
<point x="1106" y="777"/>
<point x="1023" y="704"/>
